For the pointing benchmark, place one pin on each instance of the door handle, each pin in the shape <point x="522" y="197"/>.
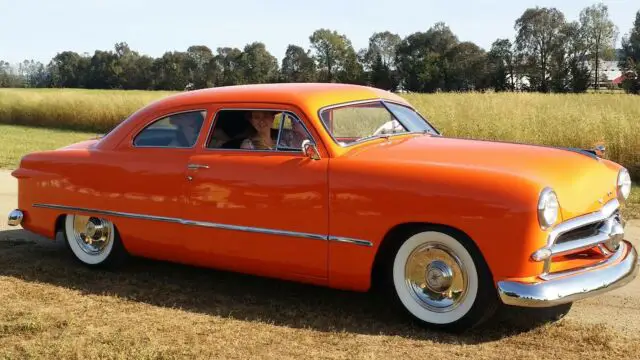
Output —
<point x="197" y="166"/>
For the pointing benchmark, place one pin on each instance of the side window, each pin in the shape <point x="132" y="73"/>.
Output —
<point x="257" y="130"/>
<point x="292" y="134"/>
<point x="178" y="130"/>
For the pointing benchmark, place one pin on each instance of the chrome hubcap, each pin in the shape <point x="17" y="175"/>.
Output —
<point x="439" y="276"/>
<point x="435" y="277"/>
<point x="91" y="233"/>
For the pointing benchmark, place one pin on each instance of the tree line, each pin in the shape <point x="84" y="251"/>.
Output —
<point x="548" y="54"/>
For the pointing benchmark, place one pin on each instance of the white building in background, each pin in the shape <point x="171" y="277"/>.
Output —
<point x="609" y="73"/>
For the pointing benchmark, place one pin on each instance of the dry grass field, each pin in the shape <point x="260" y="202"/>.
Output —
<point x="53" y="308"/>
<point x="551" y="119"/>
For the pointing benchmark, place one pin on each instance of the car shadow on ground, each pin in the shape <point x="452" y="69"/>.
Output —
<point x="243" y="297"/>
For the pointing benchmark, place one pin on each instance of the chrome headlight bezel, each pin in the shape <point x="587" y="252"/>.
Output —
<point x="548" y="208"/>
<point x="623" y="185"/>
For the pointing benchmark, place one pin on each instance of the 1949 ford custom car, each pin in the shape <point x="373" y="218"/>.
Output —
<point x="341" y="186"/>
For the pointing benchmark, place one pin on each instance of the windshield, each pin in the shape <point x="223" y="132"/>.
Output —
<point x="359" y="122"/>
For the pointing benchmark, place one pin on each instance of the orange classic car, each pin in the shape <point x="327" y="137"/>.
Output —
<point x="341" y="186"/>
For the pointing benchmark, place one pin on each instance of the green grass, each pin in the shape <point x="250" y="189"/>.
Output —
<point x="21" y="140"/>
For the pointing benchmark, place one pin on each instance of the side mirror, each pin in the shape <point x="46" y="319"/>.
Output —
<point x="310" y="150"/>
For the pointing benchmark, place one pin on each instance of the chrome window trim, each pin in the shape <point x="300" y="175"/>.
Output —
<point x="132" y="140"/>
<point x="214" y="120"/>
<point x="384" y="102"/>
<point x="211" y="224"/>
<point x="366" y="101"/>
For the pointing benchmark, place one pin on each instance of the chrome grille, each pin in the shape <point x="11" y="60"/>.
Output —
<point x="585" y="232"/>
<point x="580" y="233"/>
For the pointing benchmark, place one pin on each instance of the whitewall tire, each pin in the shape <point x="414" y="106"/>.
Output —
<point x="93" y="241"/>
<point x="440" y="279"/>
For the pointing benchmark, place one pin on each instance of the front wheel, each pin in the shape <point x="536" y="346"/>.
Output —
<point x="94" y="241"/>
<point x="442" y="281"/>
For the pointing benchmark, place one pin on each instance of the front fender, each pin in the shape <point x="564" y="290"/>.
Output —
<point x="496" y="210"/>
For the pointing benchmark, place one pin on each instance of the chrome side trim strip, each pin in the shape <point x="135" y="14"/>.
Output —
<point x="211" y="224"/>
<point x="350" y="241"/>
<point x="107" y="212"/>
<point x="253" y="229"/>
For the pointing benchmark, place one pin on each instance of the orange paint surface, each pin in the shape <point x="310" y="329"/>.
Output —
<point x="488" y="190"/>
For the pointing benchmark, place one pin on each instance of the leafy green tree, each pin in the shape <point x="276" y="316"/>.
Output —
<point x="258" y="65"/>
<point x="171" y="71"/>
<point x="8" y="77"/>
<point x="426" y="60"/>
<point x="201" y="73"/>
<point x="501" y="65"/>
<point x="229" y="61"/>
<point x="630" y="58"/>
<point x="575" y="48"/>
<point x="104" y="72"/>
<point x="600" y="35"/>
<point x="538" y="37"/>
<point x="379" y="60"/>
<point x="68" y="70"/>
<point x="383" y="45"/>
<point x="298" y="65"/>
<point x="466" y="67"/>
<point x="332" y="51"/>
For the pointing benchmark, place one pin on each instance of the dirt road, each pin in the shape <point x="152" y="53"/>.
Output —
<point x="605" y="309"/>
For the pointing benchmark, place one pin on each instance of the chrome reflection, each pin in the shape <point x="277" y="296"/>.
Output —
<point x="92" y="234"/>
<point x="435" y="278"/>
<point x="15" y="217"/>
<point x="574" y="285"/>
<point x="210" y="224"/>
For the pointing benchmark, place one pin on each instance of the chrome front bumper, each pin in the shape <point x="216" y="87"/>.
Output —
<point x="15" y="218"/>
<point x="618" y="270"/>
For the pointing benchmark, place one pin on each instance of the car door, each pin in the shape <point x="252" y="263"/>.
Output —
<point x="258" y="211"/>
<point x="147" y="187"/>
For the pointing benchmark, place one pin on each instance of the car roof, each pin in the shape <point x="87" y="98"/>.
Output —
<point x="304" y="95"/>
<point x="309" y="97"/>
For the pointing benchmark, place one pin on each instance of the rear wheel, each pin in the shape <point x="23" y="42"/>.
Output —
<point x="441" y="280"/>
<point x="94" y="241"/>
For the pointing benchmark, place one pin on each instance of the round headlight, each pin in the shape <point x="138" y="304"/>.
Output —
<point x="548" y="208"/>
<point x="624" y="184"/>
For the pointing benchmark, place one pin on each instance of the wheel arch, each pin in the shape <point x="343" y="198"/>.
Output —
<point x="395" y="236"/>
<point x="59" y="223"/>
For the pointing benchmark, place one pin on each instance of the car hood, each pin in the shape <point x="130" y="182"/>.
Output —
<point x="579" y="178"/>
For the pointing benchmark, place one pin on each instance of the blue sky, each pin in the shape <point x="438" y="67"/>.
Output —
<point x="38" y="29"/>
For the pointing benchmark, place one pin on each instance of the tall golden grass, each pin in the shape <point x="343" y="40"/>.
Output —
<point x="74" y="109"/>
<point x="572" y="120"/>
<point x="576" y="120"/>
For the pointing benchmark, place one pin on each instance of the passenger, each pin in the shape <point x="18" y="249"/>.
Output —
<point x="293" y="138"/>
<point x="260" y="134"/>
<point x="188" y="125"/>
